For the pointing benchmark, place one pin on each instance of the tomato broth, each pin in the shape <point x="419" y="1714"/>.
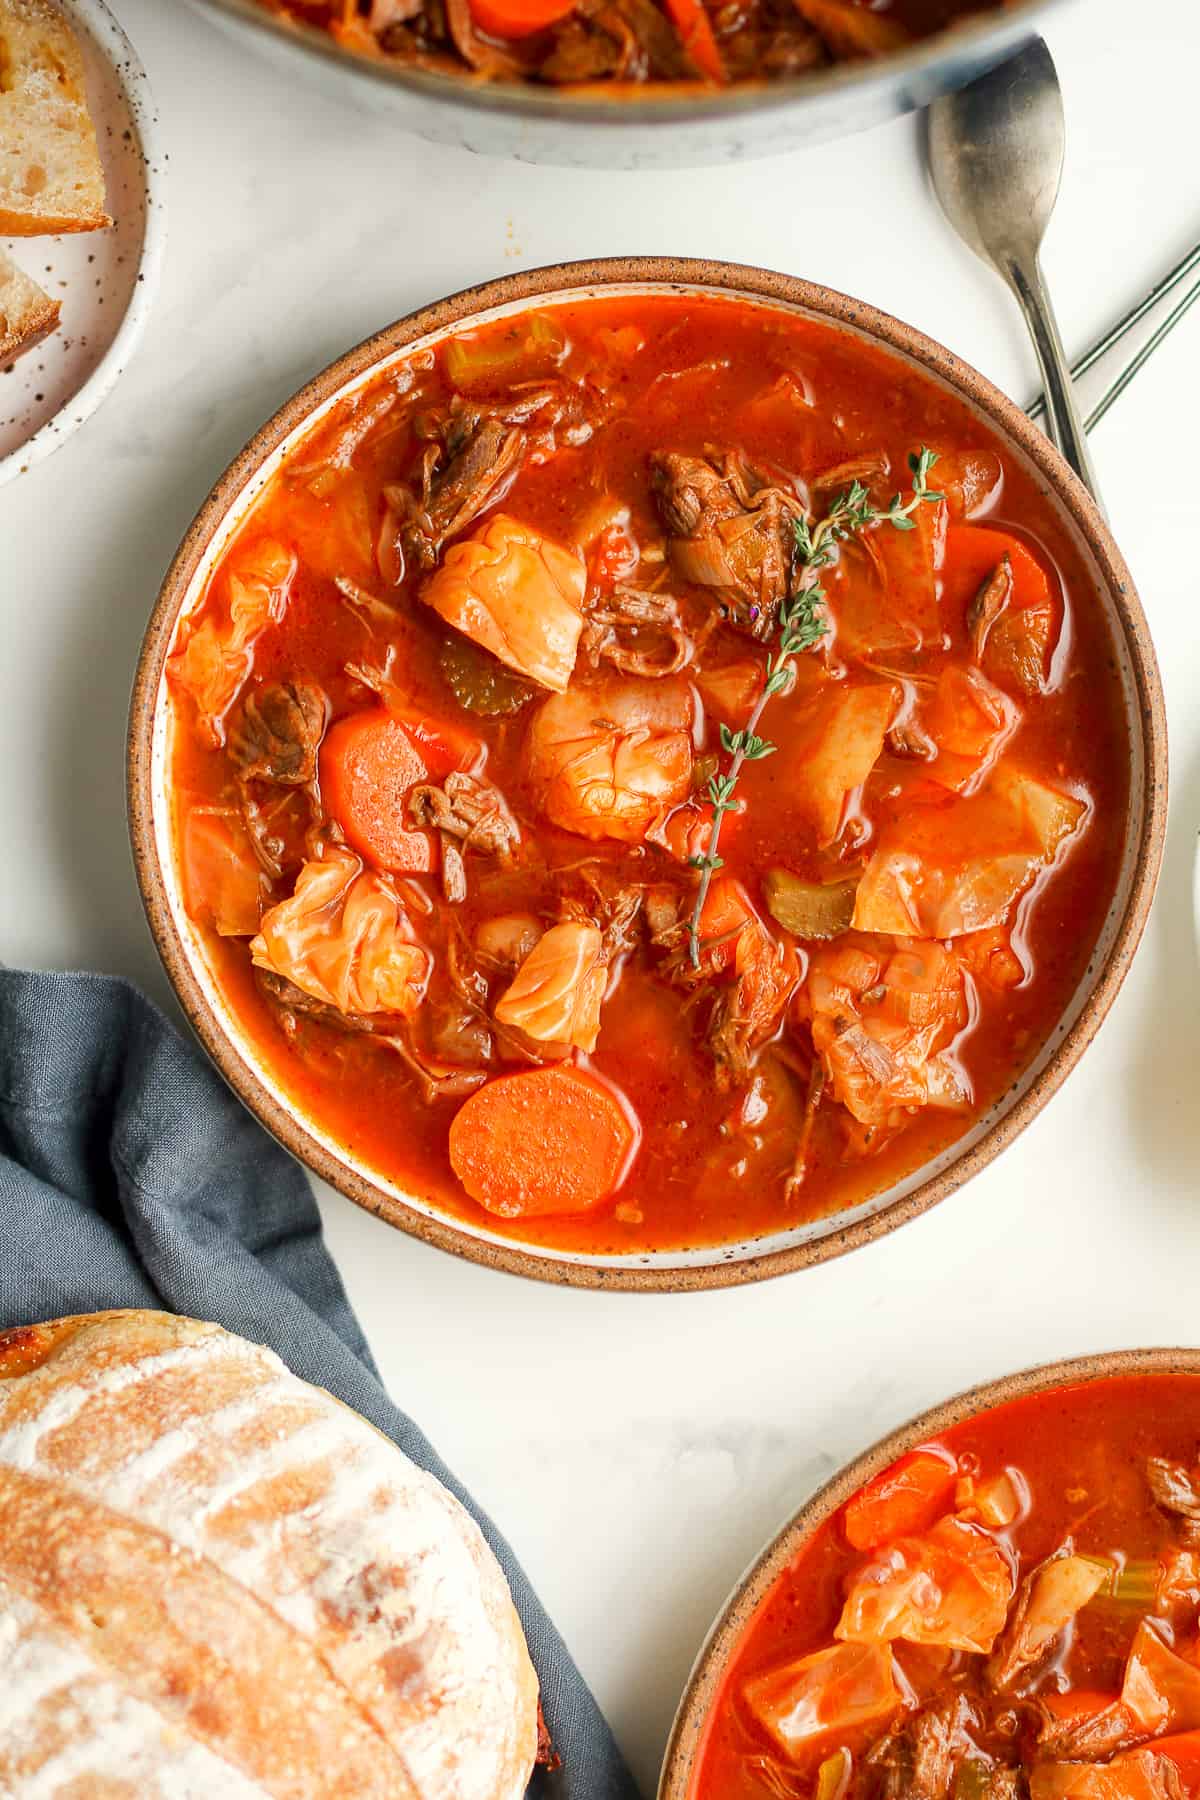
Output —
<point x="448" y="718"/>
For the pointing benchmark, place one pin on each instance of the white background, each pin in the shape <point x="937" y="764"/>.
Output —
<point x="638" y="1450"/>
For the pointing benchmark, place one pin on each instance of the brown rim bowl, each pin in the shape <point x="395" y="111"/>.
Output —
<point x="721" y="1646"/>
<point x="180" y="944"/>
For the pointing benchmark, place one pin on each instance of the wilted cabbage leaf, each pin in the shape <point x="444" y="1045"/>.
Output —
<point x="557" y="992"/>
<point x="344" y="938"/>
<point x="515" y="593"/>
<point x="610" y="759"/>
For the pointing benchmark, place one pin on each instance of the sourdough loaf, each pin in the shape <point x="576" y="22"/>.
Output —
<point x="50" y="173"/>
<point x="218" y="1583"/>
<point x="27" y="313"/>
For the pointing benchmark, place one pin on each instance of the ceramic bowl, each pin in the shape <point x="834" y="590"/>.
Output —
<point x="181" y="945"/>
<point x="106" y="280"/>
<point x="721" y="1646"/>
<point x="535" y="123"/>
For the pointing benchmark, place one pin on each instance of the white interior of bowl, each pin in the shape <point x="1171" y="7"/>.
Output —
<point x="663" y="1260"/>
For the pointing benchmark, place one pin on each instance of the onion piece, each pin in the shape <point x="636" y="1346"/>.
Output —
<point x="809" y="909"/>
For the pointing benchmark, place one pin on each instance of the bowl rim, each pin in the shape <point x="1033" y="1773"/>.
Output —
<point x="111" y="40"/>
<point x="988" y="35"/>
<point x="666" y="275"/>
<point x="722" y="1640"/>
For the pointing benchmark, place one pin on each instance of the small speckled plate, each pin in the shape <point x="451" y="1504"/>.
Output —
<point x="106" y="280"/>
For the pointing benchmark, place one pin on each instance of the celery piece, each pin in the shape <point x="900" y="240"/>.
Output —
<point x="532" y="345"/>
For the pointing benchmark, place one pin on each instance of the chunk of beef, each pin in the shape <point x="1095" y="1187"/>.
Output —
<point x="729" y="530"/>
<point x="747" y="1015"/>
<point x="1177" y="1490"/>
<point x="639" y="632"/>
<point x="476" y="473"/>
<point x="920" y="1759"/>
<point x="624" y="40"/>
<point x="468" y="814"/>
<point x="987" y="606"/>
<point x="277" y="736"/>
<point x="1088" y="1739"/>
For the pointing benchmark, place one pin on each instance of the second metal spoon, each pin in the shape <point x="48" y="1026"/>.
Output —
<point x="996" y="153"/>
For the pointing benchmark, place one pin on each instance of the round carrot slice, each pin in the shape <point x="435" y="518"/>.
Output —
<point x="544" y="1141"/>
<point x="369" y="764"/>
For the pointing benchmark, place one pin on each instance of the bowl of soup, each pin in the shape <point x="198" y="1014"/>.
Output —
<point x="1000" y="1600"/>
<point x="633" y="83"/>
<point x="647" y="773"/>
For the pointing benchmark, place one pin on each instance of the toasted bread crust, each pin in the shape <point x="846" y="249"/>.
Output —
<point x="236" y="1575"/>
<point x="27" y="313"/>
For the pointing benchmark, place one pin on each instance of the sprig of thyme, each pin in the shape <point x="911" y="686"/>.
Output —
<point x="802" y="627"/>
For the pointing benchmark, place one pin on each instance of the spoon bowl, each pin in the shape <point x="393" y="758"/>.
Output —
<point x="996" y="153"/>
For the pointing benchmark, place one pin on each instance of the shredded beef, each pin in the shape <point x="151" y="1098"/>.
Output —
<point x="277" y="736"/>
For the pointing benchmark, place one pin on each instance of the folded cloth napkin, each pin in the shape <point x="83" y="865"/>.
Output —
<point x="130" y="1176"/>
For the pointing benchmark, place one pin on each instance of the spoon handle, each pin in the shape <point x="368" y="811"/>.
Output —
<point x="1064" y="424"/>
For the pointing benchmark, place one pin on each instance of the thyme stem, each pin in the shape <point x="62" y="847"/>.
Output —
<point x="802" y="627"/>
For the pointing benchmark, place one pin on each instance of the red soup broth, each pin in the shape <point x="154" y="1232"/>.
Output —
<point x="795" y="398"/>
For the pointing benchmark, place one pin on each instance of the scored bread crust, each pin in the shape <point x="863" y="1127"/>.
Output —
<point x="27" y="313"/>
<point x="51" y="178"/>
<point x="217" y="1579"/>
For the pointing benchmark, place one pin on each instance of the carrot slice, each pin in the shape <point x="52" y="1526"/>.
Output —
<point x="906" y="1498"/>
<point x="519" y="18"/>
<point x="972" y="553"/>
<point x="369" y="764"/>
<point x="544" y="1141"/>
<point x="692" y="23"/>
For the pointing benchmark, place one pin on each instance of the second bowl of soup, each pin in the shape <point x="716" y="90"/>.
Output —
<point x="1000" y="1602"/>
<point x="646" y="773"/>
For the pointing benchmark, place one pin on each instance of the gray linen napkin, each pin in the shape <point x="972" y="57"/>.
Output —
<point x="130" y="1176"/>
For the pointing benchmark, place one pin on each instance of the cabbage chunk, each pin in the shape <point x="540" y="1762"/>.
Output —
<point x="838" y="1690"/>
<point x="559" y="987"/>
<point x="969" y="720"/>
<point x="517" y="594"/>
<point x="222" y="881"/>
<point x="944" y="871"/>
<point x="1161" y="1688"/>
<point x="344" y="938"/>
<point x="951" y="1586"/>
<point x="611" y="759"/>
<point x="218" y="653"/>
<point x="882" y="1022"/>
<point x="1137" y="1775"/>
<point x="830" y="747"/>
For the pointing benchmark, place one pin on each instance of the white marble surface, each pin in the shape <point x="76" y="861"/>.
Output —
<point x="638" y="1450"/>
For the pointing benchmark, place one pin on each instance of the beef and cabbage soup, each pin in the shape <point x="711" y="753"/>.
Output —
<point x="651" y="770"/>
<point x="607" y="46"/>
<point x="1008" y="1613"/>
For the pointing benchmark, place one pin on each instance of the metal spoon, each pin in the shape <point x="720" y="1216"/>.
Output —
<point x="996" y="153"/>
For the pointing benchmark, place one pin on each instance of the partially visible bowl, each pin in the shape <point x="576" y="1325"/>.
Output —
<point x="106" y="280"/>
<point x="720" y="1650"/>
<point x="539" y="125"/>
<point x="181" y="944"/>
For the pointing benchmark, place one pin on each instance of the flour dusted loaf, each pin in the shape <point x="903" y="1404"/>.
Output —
<point x="50" y="173"/>
<point x="218" y="1583"/>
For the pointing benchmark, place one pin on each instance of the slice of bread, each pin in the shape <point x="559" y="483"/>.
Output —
<point x="50" y="174"/>
<point x="26" y="313"/>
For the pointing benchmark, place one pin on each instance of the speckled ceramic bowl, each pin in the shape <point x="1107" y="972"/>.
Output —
<point x="106" y="280"/>
<point x="721" y="1646"/>
<point x="182" y="946"/>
